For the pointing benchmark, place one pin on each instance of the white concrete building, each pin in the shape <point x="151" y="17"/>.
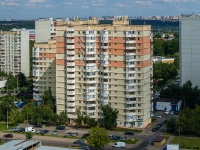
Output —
<point x="14" y="51"/>
<point x="190" y="49"/>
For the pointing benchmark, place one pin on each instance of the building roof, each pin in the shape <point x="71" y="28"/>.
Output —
<point x="159" y="139"/>
<point x="52" y="148"/>
<point x="170" y="100"/>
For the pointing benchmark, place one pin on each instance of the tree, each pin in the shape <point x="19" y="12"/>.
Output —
<point x="16" y="116"/>
<point x="48" y="99"/>
<point x="80" y="117"/>
<point x="171" y="125"/>
<point x="11" y="82"/>
<point x="22" y="80"/>
<point x="109" y="117"/>
<point x="29" y="135"/>
<point x="63" y="118"/>
<point x="98" y="137"/>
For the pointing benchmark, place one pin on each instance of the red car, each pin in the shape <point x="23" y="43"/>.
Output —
<point x="8" y="136"/>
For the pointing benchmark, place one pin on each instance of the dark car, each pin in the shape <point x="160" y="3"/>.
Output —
<point x="60" y="128"/>
<point x="85" y="135"/>
<point x="129" y="133"/>
<point x="158" y="126"/>
<point x="22" y="130"/>
<point x="116" y="137"/>
<point x="37" y="125"/>
<point x="79" y="142"/>
<point x="44" y="131"/>
<point x="85" y="148"/>
<point x="177" y="113"/>
<point x="8" y="136"/>
<point x="154" y="129"/>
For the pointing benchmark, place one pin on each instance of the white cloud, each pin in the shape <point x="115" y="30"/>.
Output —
<point x="9" y="3"/>
<point x="119" y="5"/>
<point x="36" y="1"/>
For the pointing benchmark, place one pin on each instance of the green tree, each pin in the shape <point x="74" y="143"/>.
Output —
<point x="63" y="118"/>
<point x="11" y="82"/>
<point x="109" y="117"/>
<point x="158" y="49"/>
<point x="171" y="125"/>
<point x="98" y="137"/>
<point x="22" y="80"/>
<point x="48" y="99"/>
<point x="16" y="116"/>
<point x="80" y="118"/>
<point x="29" y="135"/>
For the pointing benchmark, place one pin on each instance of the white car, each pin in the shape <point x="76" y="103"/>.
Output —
<point x="55" y="132"/>
<point x="157" y="116"/>
<point x="171" y="112"/>
<point x="166" y="112"/>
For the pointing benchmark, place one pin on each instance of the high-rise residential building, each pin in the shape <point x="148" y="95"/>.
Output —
<point x="44" y="30"/>
<point x="44" y="68"/>
<point x="189" y="49"/>
<point x="98" y="64"/>
<point x="14" y="51"/>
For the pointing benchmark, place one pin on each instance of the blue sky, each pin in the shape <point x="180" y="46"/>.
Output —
<point x="33" y="9"/>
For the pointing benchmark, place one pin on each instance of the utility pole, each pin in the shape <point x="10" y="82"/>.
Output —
<point x="179" y="135"/>
<point x="7" y="117"/>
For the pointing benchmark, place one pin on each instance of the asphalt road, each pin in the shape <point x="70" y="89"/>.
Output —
<point x="143" y="137"/>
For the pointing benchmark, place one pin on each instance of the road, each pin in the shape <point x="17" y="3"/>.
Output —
<point x="143" y="137"/>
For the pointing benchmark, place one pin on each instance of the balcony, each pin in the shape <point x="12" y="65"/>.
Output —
<point x="91" y="82"/>
<point x="91" y="105"/>
<point x="70" y="86"/>
<point x="70" y="98"/>
<point x="130" y="47"/>
<point x="70" y="104"/>
<point x="90" y="41"/>
<point x="70" y="46"/>
<point x="91" y="111"/>
<point x="69" y="34"/>
<point x="70" y="92"/>
<point x="130" y="90"/>
<point x="70" y="63"/>
<point x="70" y="52"/>
<point x="130" y="65"/>
<point x="71" y="81"/>
<point x="104" y="76"/>
<point x="130" y="54"/>
<point x="35" y="89"/>
<point x="104" y="47"/>
<point x="130" y="102"/>
<point x="90" y="46"/>
<point x="35" y="84"/>
<point x="130" y="96"/>
<point x="91" y="52"/>
<point x="70" y="69"/>
<point x="70" y="29"/>
<point x="71" y="58"/>
<point x="105" y="64"/>
<point x="105" y="40"/>
<point x="130" y="35"/>
<point x="71" y="75"/>
<point x="130" y="41"/>
<point x="130" y="84"/>
<point x="71" y="116"/>
<point x="70" y="40"/>
<point x="91" y="87"/>
<point x="90" y="58"/>
<point x="90" y="35"/>
<point x="71" y="110"/>
<point x="130" y="108"/>
<point x="104" y="94"/>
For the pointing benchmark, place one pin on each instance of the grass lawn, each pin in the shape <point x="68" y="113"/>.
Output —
<point x="187" y="142"/>
<point x="129" y="141"/>
<point x="126" y="130"/>
<point x="3" y="126"/>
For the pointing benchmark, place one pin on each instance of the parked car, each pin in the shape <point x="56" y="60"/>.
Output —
<point x="116" y="137"/>
<point x="154" y="129"/>
<point x="85" y="148"/>
<point x="177" y="113"/>
<point x="166" y="112"/>
<point x="60" y="128"/>
<point x="162" y="122"/>
<point x="22" y="130"/>
<point x="8" y="136"/>
<point x="171" y="112"/>
<point x="158" y="126"/>
<point x="119" y="145"/>
<point x="37" y="125"/>
<point x="55" y="132"/>
<point x="129" y="133"/>
<point x="16" y="129"/>
<point x="38" y="131"/>
<point x="44" y="131"/>
<point x="85" y="135"/>
<point x="68" y="134"/>
<point x="79" y="142"/>
<point x="123" y="138"/>
<point x="157" y="116"/>
<point x="110" y="137"/>
<point x="74" y="134"/>
<point x="152" y="115"/>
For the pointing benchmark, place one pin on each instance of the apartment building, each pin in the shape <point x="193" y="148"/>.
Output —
<point x="44" y="70"/>
<point x="189" y="49"/>
<point x="104" y="64"/>
<point x="14" y="51"/>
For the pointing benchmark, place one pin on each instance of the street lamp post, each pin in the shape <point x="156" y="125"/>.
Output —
<point x="7" y="117"/>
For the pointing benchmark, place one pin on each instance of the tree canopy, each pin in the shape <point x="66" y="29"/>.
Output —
<point x="109" y="117"/>
<point x="98" y="137"/>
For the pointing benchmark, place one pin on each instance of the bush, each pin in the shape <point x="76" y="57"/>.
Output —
<point x="132" y="141"/>
<point x="29" y="135"/>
